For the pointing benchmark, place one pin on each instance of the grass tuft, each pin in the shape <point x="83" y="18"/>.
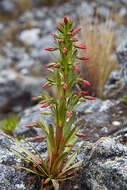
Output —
<point x="8" y="125"/>
<point x="100" y="43"/>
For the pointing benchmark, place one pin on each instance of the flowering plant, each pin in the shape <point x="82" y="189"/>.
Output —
<point x="63" y="134"/>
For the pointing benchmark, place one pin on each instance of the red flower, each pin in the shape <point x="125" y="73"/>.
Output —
<point x="81" y="46"/>
<point x="44" y="105"/>
<point x="76" y="68"/>
<point x="86" y="83"/>
<point x="72" y="30"/>
<point x="45" y="182"/>
<point x="51" y="49"/>
<point x="58" y="27"/>
<point x="82" y="58"/>
<point x="38" y="138"/>
<point x="75" y="39"/>
<point x="62" y="139"/>
<point x="54" y="35"/>
<point x="64" y="86"/>
<point x="90" y="97"/>
<point x="64" y="51"/>
<point x="60" y="41"/>
<point x="81" y="135"/>
<point x="68" y="114"/>
<point x="65" y="20"/>
<point x="28" y="126"/>
<point x="79" y="29"/>
<point x="55" y="66"/>
<point x="84" y="93"/>
<point x="45" y="84"/>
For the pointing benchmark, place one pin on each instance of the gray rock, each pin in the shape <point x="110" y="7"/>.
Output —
<point x="124" y="1"/>
<point x="103" y="11"/>
<point x="16" y="90"/>
<point x="30" y="116"/>
<point x="104" y="166"/>
<point x="30" y="37"/>
<point x="116" y="86"/>
<point x="7" y="7"/>
<point x="11" y="178"/>
<point x="122" y="58"/>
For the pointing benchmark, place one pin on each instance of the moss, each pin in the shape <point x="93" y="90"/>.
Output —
<point x="8" y="125"/>
<point x="124" y="99"/>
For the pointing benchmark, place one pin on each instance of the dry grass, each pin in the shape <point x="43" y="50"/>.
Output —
<point x="100" y="43"/>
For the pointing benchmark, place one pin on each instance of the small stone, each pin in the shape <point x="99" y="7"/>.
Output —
<point x="116" y="123"/>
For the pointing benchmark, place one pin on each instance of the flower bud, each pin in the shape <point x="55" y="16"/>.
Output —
<point x="81" y="46"/>
<point x="90" y="97"/>
<point x="68" y="114"/>
<point x="78" y="30"/>
<point x="51" y="49"/>
<point x="74" y="39"/>
<point x="75" y="67"/>
<point x="64" y="51"/>
<point x="82" y="58"/>
<point x="38" y="138"/>
<point x="64" y="86"/>
<point x="81" y="135"/>
<point x="28" y="126"/>
<point x="60" y="41"/>
<point x="45" y="84"/>
<point x="44" y="105"/>
<point x="65" y="20"/>
<point x="84" y="93"/>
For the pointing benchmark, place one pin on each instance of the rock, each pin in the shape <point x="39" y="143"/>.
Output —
<point x="116" y="86"/>
<point x="104" y="166"/>
<point x="98" y="119"/>
<point x="7" y="7"/>
<point x="30" y="116"/>
<point x="30" y="37"/>
<point x="124" y="1"/>
<point x="48" y="2"/>
<point x="9" y="90"/>
<point x="122" y="58"/>
<point x="103" y="11"/>
<point x="11" y="178"/>
<point x="16" y="90"/>
<point x="123" y="12"/>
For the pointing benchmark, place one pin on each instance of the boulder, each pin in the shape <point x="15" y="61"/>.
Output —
<point x="104" y="166"/>
<point x="116" y="86"/>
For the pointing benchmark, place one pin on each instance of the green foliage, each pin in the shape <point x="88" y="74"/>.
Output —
<point x="8" y="125"/>
<point x="124" y="99"/>
<point x="63" y="134"/>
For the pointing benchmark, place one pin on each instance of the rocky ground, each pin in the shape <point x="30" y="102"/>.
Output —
<point x="24" y="35"/>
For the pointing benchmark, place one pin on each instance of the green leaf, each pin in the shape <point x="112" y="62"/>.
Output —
<point x="57" y="162"/>
<point x="70" y="160"/>
<point x="52" y="138"/>
<point x="45" y="125"/>
<point x="29" y="170"/>
<point x="68" y="125"/>
<point x="70" y="170"/>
